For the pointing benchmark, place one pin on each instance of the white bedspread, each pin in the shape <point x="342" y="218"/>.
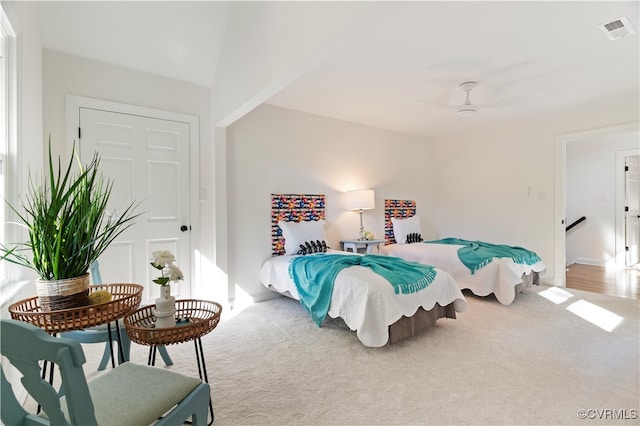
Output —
<point x="366" y="301"/>
<point x="499" y="277"/>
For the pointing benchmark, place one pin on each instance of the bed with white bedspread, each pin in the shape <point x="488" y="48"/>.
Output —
<point x="502" y="276"/>
<point x="368" y="303"/>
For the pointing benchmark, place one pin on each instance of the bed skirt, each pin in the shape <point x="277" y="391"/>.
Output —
<point x="528" y="280"/>
<point x="410" y="326"/>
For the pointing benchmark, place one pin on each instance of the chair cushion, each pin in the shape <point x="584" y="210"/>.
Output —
<point x="134" y="394"/>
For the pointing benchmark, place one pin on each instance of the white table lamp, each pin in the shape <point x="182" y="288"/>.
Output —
<point x="360" y="200"/>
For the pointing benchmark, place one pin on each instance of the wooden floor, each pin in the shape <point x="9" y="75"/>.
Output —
<point x="622" y="282"/>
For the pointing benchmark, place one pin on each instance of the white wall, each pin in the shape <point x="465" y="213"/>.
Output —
<point x="65" y="74"/>
<point x="591" y="192"/>
<point x="483" y="178"/>
<point x="24" y="17"/>
<point x="30" y="149"/>
<point x="274" y="150"/>
<point x="484" y="183"/>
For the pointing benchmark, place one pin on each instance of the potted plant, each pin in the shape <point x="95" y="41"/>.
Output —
<point x="69" y="228"/>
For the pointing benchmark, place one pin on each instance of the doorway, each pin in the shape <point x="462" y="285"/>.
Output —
<point x="631" y="207"/>
<point x="148" y="156"/>
<point x="603" y="199"/>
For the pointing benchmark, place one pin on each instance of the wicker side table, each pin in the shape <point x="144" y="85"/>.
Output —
<point x="125" y="298"/>
<point x="194" y="319"/>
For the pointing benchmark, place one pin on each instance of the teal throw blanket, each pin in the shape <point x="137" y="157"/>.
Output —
<point x="477" y="254"/>
<point x="314" y="277"/>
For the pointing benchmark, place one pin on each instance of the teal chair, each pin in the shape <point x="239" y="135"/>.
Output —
<point x="129" y="394"/>
<point x="101" y="334"/>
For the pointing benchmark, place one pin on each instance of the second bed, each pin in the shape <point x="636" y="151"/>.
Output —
<point x="502" y="276"/>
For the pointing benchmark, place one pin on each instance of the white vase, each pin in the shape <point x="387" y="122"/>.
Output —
<point x="165" y="308"/>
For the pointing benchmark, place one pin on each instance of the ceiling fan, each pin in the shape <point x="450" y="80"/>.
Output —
<point x="467" y="109"/>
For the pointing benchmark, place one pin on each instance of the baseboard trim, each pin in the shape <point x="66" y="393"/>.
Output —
<point x="585" y="261"/>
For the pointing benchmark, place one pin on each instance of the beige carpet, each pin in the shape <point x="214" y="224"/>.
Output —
<point x="533" y="362"/>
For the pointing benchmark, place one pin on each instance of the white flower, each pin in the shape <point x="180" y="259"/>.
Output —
<point x="174" y="273"/>
<point x="162" y="258"/>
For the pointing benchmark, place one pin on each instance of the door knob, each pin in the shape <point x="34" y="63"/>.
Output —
<point x="184" y="228"/>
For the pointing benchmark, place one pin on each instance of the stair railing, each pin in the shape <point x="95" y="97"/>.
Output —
<point x="582" y="219"/>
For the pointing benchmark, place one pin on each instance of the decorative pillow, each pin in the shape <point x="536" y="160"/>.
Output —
<point x="414" y="237"/>
<point x="298" y="233"/>
<point x="311" y="247"/>
<point x="404" y="227"/>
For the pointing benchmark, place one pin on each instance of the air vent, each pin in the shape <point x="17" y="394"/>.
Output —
<point x="618" y="28"/>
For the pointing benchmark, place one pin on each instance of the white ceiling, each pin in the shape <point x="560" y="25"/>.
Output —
<point x="180" y="40"/>
<point x="400" y="71"/>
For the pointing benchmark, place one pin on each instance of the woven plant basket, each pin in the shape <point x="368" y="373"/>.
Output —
<point x="63" y="294"/>
<point x="125" y="298"/>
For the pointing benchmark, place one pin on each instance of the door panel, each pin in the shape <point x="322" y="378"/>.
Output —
<point x="147" y="159"/>
<point x="632" y="202"/>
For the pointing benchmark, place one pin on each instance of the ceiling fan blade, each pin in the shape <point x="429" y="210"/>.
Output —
<point x="527" y="87"/>
<point x="510" y="71"/>
<point x="423" y="101"/>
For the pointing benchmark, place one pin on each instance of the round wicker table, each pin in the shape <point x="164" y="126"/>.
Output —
<point x="194" y="319"/>
<point x="124" y="299"/>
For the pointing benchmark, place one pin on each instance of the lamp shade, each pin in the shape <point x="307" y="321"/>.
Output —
<point x="361" y="199"/>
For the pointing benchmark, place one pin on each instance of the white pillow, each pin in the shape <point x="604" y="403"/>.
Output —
<point x="296" y="233"/>
<point x="403" y="227"/>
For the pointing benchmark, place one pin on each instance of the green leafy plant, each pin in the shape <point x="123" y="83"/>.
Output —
<point x="68" y="221"/>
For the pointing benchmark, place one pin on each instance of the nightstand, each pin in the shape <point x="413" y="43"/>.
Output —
<point x="366" y="246"/>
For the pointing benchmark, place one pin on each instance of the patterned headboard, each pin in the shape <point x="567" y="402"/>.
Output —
<point x="293" y="208"/>
<point x="396" y="209"/>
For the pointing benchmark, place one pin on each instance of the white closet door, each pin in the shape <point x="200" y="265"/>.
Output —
<point x="148" y="162"/>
